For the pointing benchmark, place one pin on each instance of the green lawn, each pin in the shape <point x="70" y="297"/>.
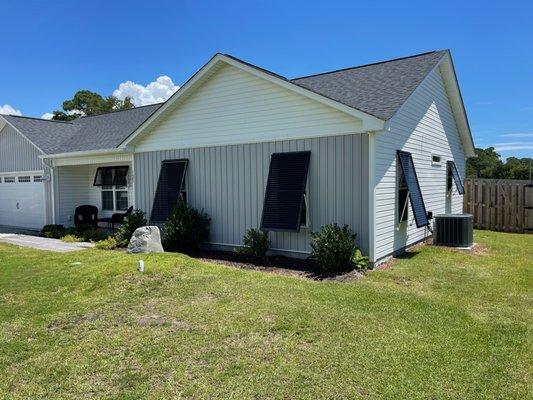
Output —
<point x="441" y="324"/>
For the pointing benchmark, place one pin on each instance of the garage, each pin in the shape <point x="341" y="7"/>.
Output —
<point x="22" y="200"/>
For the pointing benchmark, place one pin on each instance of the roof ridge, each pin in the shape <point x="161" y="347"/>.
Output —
<point x="36" y="118"/>
<point x="117" y="111"/>
<point x="368" y="65"/>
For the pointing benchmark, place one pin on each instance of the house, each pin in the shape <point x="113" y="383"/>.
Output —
<point x="377" y="147"/>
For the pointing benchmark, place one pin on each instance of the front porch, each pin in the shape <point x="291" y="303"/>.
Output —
<point x="76" y="184"/>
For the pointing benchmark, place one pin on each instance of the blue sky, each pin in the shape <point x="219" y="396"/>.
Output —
<point x="51" y="49"/>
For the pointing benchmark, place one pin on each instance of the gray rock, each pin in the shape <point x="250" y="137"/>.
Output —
<point x="146" y="239"/>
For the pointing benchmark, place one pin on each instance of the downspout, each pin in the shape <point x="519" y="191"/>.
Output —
<point x="52" y="191"/>
<point x="371" y="194"/>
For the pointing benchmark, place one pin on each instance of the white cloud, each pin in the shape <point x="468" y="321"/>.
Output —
<point x="513" y="146"/>
<point x="47" y="116"/>
<point x="7" y="109"/>
<point x="518" y="135"/>
<point x="155" y="92"/>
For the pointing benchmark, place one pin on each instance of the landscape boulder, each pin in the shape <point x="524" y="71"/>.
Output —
<point x="146" y="239"/>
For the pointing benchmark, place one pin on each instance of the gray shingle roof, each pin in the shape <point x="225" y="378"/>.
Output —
<point x="377" y="89"/>
<point x="95" y="132"/>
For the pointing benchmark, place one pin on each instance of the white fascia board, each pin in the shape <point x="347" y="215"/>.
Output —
<point x="6" y="122"/>
<point x="369" y="122"/>
<point x="83" y="153"/>
<point x="458" y="107"/>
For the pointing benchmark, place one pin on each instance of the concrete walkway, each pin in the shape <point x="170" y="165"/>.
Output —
<point x="41" y="243"/>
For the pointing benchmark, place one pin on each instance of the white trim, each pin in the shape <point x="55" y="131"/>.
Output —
<point x="23" y="172"/>
<point x="95" y="159"/>
<point x="371" y="196"/>
<point x="369" y="122"/>
<point x="83" y="153"/>
<point x="20" y="133"/>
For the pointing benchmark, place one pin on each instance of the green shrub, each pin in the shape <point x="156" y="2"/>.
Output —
<point x="359" y="261"/>
<point x="70" y="238"/>
<point x="107" y="244"/>
<point x="53" y="231"/>
<point x="333" y="248"/>
<point x="133" y="221"/>
<point x="186" y="228"/>
<point x="86" y="233"/>
<point x="256" y="243"/>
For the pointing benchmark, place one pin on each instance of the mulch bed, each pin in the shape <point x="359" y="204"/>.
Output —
<point x="274" y="264"/>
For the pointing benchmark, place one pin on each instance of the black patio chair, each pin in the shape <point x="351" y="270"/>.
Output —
<point x="117" y="218"/>
<point x="86" y="215"/>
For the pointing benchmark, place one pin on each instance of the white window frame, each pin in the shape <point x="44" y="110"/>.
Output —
<point x="10" y="179"/>
<point x="37" y="178"/>
<point x="307" y="223"/>
<point x="114" y="189"/>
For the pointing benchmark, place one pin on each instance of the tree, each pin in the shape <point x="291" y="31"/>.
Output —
<point x="86" y="102"/>
<point x="488" y="164"/>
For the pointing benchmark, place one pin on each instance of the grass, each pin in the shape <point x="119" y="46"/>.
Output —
<point x="440" y="324"/>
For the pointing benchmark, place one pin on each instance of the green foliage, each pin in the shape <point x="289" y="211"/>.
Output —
<point x="186" y="228"/>
<point x="333" y="248"/>
<point x="53" y="231"/>
<point x="85" y="233"/>
<point x="107" y="244"/>
<point x="359" y="261"/>
<point x="256" y="243"/>
<point x="133" y="221"/>
<point x="71" y="238"/>
<point x="488" y="164"/>
<point x="86" y="102"/>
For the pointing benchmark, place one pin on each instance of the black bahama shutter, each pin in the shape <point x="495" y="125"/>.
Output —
<point x="168" y="190"/>
<point x="284" y="195"/>
<point x="415" y="194"/>
<point x="453" y="173"/>
<point x="110" y="176"/>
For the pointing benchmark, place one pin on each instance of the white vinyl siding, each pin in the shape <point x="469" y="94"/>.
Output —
<point x="228" y="182"/>
<point x="74" y="187"/>
<point x="16" y="153"/>
<point x="233" y="106"/>
<point x="424" y="126"/>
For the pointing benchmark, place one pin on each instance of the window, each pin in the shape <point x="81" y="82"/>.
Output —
<point x="170" y="188"/>
<point x="121" y="200"/>
<point x="38" y="178"/>
<point x="418" y="207"/>
<point x="24" y="179"/>
<point x="453" y="174"/>
<point x="435" y="159"/>
<point x="0" y="179"/>
<point x="107" y="198"/>
<point x="285" y="196"/>
<point x="403" y="197"/>
<point x="9" y="179"/>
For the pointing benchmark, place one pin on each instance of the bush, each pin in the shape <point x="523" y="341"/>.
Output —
<point x="107" y="244"/>
<point x="186" y="228"/>
<point x="70" y="238"/>
<point x="133" y="221"/>
<point x="333" y="248"/>
<point x="359" y="261"/>
<point x="86" y="233"/>
<point x="256" y="243"/>
<point x="53" y="231"/>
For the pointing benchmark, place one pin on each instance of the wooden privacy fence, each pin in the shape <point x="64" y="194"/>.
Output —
<point x="500" y="204"/>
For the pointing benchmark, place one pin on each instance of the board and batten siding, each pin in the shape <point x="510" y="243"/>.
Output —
<point x="228" y="182"/>
<point x="16" y="153"/>
<point x="233" y="106"/>
<point x="424" y="126"/>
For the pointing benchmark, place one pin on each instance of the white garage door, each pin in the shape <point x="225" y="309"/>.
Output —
<point x="22" y="201"/>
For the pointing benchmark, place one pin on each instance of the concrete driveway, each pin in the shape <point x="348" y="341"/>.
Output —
<point x="41" y="243"/>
